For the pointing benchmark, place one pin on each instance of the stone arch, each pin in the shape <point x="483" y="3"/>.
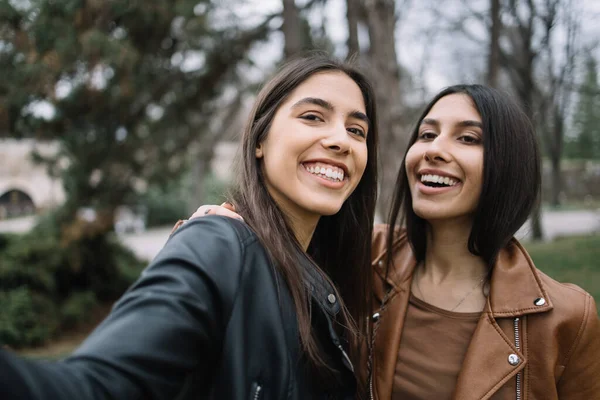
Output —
<point x="16" y="203"/>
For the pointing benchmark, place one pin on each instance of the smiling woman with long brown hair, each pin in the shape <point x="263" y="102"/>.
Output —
<point x="254" y="310"/>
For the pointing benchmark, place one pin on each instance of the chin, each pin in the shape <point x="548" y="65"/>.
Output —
<point x="324" y="209"/>
<point x="328" y="211"/>
<point x="431" y="213"/>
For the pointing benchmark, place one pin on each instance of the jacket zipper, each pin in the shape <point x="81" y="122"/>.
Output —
<point x="371" y="386"/>
<point x="518" y="346"/>
<point x="257" y="392"/>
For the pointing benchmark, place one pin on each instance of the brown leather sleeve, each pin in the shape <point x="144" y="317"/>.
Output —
<point x="581" y="377"/>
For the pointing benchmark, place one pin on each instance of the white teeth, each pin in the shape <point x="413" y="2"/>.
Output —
<point x="438" y="179"/>
<point x="331" y="173"/>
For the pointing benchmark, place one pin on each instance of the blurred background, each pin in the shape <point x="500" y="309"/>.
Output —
<point x="119" y="117"/>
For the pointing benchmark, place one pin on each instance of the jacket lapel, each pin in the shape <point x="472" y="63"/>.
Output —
<point x="515" y="291"/>
<point x="486" y="367"/>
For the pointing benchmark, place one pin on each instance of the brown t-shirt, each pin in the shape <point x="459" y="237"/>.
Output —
<point x="432" y="348"/>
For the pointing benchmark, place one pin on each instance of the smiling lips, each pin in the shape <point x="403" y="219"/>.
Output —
<point x="325" y="171"/>
<point x="437" y="180"/>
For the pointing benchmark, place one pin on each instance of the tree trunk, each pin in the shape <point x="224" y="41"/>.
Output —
<point x="493" y="57"/>
<point x="352" y="15"/>
<point x="291" y="29"/>
<point x="380" y="18"/>
<point x="556" y="156"/>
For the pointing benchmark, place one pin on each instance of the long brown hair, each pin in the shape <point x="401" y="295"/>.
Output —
<point x="341" y="244"/>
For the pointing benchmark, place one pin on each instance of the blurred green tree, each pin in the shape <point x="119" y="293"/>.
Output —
<point x="133" y="91"/>
<point x="586" y="121"/>
<point x="125" y="86"/>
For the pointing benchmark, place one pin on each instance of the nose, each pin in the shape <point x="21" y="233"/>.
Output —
<point x="436" y="151"/>
<point x="337" y="139"/>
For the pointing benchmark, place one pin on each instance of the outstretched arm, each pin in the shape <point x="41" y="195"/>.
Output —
<point x="166" y="331"/>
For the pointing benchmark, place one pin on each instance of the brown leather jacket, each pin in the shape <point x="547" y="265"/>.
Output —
<point x="556" y="355"/>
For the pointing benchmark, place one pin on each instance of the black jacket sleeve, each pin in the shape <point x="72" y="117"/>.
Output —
<point x="167" y="329"/>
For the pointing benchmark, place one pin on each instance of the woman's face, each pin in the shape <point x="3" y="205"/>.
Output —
<point x="445" y="164"/>
<point x="315" y="152"/>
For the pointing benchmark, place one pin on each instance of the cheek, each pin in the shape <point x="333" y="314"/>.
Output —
<point x="362" y="159"/>
<point x="412" y="158"/>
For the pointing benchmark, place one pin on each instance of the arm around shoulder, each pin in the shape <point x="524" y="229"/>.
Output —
<point x="581" y="377"/>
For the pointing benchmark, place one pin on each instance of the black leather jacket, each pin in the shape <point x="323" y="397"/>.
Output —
<point x="208" y="319"/>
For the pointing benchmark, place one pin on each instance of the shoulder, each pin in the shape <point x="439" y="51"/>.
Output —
<point x="216" y="233"/>
<point x="403" y="260"/>
<point x="571" y="303"/>
<point x="574" y="316"/>
<point x="231" y="228"/>
<point x="400" y="244"/>
<point x="380" y="237"/>
<point x="576" y="327"/>
<point x="213" y="245"/>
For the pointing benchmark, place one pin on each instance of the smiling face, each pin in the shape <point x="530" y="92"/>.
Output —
<point x="445" y="164"/>
<point x="315" y="152"/>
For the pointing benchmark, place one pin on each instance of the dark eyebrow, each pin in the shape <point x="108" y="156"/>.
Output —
<point x="316" y="101"/>
<point x="328" y="106"/>
<point x="361" y="116"/>
<point x="462" y="124"/>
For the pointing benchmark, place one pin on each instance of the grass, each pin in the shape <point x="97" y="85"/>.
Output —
<point x="572" y="259"/>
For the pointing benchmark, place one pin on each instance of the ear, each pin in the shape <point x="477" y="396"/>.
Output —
<point x="259" y="151"/>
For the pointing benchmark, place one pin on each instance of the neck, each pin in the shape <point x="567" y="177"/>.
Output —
<point x="447" y="257"/>
<point x="303" y="229"/>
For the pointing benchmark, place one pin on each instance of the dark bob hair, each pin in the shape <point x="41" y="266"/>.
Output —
<point x="511" y="176"/>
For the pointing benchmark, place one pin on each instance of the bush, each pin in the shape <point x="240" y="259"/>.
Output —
<point x="49" y="285"/>
<point x="77" y="309"/>
<point x="27" y="319"/>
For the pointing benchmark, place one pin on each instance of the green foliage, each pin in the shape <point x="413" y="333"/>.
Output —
<point x="27" y="319"/>
<point x="48" y="285"/>
<point x="76" y="309"/>
<point x="215" y="190"/>
<point x="130" y="102"/>
<point x="586" y="122"/>
<point x="165" y="204"/>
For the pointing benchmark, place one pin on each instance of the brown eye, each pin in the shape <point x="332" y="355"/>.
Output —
<point x="469" y="139"/>
<point x="357" y="132"/>
<point x="427" y="135"/>
<point x="311" y="117"/>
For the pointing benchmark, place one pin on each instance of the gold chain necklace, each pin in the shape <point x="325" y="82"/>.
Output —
<point x="462" y="299"/>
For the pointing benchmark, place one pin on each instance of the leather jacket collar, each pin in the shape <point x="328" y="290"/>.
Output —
<point x="514" y="272"/>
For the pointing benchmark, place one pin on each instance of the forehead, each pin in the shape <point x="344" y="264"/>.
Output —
<point x="335" y="87"/>
<point x="454" y="108"/>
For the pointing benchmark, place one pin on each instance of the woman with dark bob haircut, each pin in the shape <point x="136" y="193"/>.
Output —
<point x="460" y="311"/>
<point x="250" y="310"/>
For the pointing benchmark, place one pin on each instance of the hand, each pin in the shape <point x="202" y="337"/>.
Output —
<point x="225" y="209"/>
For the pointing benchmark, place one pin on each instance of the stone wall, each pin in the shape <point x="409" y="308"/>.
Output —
<point x="19" y="173"/>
